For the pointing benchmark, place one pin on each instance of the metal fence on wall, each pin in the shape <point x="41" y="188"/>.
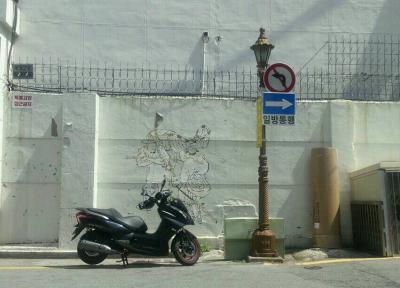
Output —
<point x="126" y="80"/>
<point x="358" y="67"/>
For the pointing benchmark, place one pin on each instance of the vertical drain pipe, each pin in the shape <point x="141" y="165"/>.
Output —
<point x="205" y="38"/>
<point x="325" y="187"/>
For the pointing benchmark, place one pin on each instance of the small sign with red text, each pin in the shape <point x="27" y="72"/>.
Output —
<point x="22" y="101"/>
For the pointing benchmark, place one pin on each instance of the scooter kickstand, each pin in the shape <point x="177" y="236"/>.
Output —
<point x="124" y="259"/>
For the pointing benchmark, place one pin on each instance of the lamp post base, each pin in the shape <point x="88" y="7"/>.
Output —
<point x="263" y="244"/>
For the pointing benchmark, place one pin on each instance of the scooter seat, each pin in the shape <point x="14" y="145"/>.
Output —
<point x="112" y="213"/>
<point x="134" y="223"/>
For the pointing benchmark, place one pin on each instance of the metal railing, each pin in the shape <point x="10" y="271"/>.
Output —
<point x="357" y="67"/>
<point x="125" y="80"/>
<point x="238" y="84"/>
<point x="322" y="85"/>
<point x="363" y="67"/>
<point x="368" y="226"/>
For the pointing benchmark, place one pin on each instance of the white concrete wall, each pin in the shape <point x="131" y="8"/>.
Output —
<point x="6" y="23"/>
<point x="232" y="155"/>
<point x="3" y="91"/>
<point x="101" y="147"/>
<point x="164" y="32"/>
<point x="49" y="167"/>
<point x="79" y="160"/>
<point x="289" y="154"/>
<point x="31" y="171"/>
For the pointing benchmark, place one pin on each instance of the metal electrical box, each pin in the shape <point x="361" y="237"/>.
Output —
<point x="375" y="208"/>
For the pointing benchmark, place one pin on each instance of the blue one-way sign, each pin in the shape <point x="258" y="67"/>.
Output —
<point x="279" y="104"/>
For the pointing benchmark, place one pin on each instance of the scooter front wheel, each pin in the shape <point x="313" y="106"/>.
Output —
<point x="186" y="248"/>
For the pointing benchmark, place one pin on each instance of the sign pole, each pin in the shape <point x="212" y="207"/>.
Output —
<point x="277" y="108"/>
<point x="259" y="120"/>
<point x="263" y="240"/>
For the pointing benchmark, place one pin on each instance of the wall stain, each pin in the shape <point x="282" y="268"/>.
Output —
<point x="54" y="131"/>
<point x="66" y="142"/>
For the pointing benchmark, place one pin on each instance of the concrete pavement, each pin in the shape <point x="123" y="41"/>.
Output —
<point x="60" y="273"/>
<point x="310" y="268"/>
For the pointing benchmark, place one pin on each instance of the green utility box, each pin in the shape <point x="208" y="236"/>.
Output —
<point x="238" y="232"/>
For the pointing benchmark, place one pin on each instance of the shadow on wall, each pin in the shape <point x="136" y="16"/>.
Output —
<point x="31" y="198"/>
<point x="196" y="57"/>
<point x="388" y="20"/>
<point x="380" y="68"/>
<point x="297" y="208"/>
<point x="305" y="19"/>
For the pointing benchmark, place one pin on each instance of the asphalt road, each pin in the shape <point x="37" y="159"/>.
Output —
<point x="153" y="273"/>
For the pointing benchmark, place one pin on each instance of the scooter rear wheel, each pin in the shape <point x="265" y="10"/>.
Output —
<point x="186" y="248"/>
<point x="89" y="257"/>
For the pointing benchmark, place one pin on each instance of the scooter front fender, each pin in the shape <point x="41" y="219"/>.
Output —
<point x="177" y="223"/>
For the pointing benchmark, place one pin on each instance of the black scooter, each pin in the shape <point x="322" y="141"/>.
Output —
<point x="107" y="232"/>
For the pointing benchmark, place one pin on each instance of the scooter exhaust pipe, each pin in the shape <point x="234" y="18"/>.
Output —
<point x="96" y="247"/>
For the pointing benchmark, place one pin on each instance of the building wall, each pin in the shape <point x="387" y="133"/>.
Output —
<point x="126" y="122"/>
<point x="214" y="150"/>
<point x="30" y="197"/>
<point x="162" y="33"/>
<point x="6" y="27"/>
<point x="3" y="91"/>
<point x="232" y="157"/>
<point x="211" y="140"/>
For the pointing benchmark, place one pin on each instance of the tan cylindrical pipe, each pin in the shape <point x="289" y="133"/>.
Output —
<point x="325" y="187"/>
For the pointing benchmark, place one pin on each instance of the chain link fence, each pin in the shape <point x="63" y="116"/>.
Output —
<point x="363" y="67"/>
<point x="124" y="80"/>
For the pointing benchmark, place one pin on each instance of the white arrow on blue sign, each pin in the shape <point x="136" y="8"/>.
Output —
<point x="279" y="104"/>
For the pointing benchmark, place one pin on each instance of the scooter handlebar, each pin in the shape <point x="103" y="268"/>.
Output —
<point x="163" y="194"/>
<point x="149" y="203"/>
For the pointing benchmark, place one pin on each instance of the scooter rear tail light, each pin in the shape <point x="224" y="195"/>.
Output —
<point x="81" y="217"/>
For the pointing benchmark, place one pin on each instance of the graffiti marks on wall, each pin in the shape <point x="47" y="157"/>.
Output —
<point x="181" y="160"/>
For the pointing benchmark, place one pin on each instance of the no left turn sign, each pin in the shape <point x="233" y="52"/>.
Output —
<point x="279" y="77"/>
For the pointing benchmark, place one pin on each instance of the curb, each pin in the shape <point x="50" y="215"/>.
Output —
<point x="54" y="253"/>
<point x="38" y="254"/>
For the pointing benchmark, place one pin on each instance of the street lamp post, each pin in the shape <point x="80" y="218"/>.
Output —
<point x="263" y="240"/>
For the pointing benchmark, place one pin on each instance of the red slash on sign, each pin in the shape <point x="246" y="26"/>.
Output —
<point x="279" y="77"/>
